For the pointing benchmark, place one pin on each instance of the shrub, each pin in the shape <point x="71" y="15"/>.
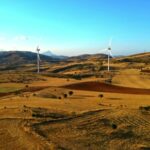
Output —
<point x="27" y="96"/>
<point x="102" y="76"/>
<point x="73" y="114"/>
<point x="18" y="92"/>
<point x="70" y="93"/>
<point x="34" y="94"/>
<point x="108" y="81"/>
<point x="59" y="97"/>
<point x="65" y="95"/>
<point x="27" y="86"/>
<point x="101" y="95"/>
<point x="114" y="126"/>
<point x="146" y="108"/>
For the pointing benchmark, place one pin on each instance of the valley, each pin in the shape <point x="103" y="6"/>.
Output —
<point x="75" y="103"/>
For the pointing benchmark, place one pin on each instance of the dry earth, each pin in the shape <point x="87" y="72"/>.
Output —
<point x="97" y="116"/>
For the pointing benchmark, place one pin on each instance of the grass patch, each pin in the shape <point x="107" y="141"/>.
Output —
<point x="8" y="89"/>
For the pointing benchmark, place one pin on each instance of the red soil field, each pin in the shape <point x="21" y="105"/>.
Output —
<point x="103" y="87"/>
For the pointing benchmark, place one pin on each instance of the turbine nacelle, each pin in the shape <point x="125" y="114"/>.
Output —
<point x="38" y="59"/>
<point x="109" y="48"/>
<point x="38" y="49"/>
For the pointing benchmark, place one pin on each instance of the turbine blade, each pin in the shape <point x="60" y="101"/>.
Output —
<point x="111" y="54"/>
<point x="110" y="42"/>
<point x="37" y="48"/>
<point x="104" y="50"/>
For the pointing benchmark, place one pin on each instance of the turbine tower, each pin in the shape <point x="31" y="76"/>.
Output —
<point x="108" y="50"/>
<point x="38" y="59"/>
<point x="109" y="54"/>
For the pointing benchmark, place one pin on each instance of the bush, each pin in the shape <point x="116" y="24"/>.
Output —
<point x="34" y="94"/>
<point x="18" y="92"/>
<point x="70" y="93"/>
<point x="108" y="81"/>
<point x="65" y="95"/>
<point x="27" y="96"/>
<point x="27" y="86"/>
<point x="101" y="95"/>
<point x="59" y="97"/>
<point x="73" y="114"/>
<point x="146" y="108"/>
<point x="114" y="126"/>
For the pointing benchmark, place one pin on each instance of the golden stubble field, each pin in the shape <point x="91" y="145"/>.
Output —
<point x="46" y="115"/>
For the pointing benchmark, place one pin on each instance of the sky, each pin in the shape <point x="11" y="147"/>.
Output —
<point x="73" y="27"/>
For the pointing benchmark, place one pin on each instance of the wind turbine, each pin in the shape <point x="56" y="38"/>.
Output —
<point x="109" y="53"/>
<point x="38" y="59"/>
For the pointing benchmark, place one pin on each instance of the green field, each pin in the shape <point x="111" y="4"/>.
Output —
<point x="8" y="89"/>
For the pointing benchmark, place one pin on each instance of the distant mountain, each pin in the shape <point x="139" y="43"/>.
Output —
<point x="13" y="60"/>
<point x="138" y="58"/>
<point x="49" y="53"/>
<point x="92" y="57"/>
<point x="22" y="57"/>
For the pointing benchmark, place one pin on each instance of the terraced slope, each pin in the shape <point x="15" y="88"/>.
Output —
<point x="102" y="129"/>
<point x="44" y="129"/>
<point x="132" y="78"/>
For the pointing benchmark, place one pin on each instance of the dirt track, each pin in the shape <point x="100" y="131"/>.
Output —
<point x="103" y="87"/>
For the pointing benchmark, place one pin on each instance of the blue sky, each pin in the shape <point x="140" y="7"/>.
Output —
<point x="72" y="27"/>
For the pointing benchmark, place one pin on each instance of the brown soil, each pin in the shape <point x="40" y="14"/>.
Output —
<point x="103" y="87"/>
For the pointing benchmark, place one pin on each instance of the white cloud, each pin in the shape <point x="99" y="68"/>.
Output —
<point x="2" y="38"/>
<point x="21" y="38"/>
